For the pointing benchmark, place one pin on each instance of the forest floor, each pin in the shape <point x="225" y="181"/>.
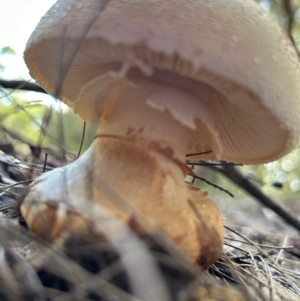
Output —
<point x="261" y="252"/>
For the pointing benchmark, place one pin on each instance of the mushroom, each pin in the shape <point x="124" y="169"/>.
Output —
<point x="162" y="79"/>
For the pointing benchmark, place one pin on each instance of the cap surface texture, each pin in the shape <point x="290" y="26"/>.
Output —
<point x="231" y="57"/>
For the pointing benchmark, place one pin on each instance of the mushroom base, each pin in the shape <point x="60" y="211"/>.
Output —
<point x="151" y="194"/>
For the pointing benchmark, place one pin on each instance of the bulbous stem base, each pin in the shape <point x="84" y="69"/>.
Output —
<point x="149" y="180"/>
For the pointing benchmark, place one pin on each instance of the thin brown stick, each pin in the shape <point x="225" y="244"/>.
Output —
<point x="82" y="139"/>
<point x="198" y="154"/>
<point x="21" y="85"/>
<point x="249" y="241"/>
<point x="45" y="162"/>
<point x="240" y="180"/>
<point x="211" y="184"/>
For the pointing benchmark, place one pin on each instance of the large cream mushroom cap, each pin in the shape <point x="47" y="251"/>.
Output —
<point x="230" y="55"/>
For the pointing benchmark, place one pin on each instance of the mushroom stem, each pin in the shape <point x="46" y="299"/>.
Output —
<point x="134" y="118"/>
<point x="152" y="181"/>
<point x="144" y="162"/>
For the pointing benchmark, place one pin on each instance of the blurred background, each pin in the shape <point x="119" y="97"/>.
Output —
<point x="33" y="124"/>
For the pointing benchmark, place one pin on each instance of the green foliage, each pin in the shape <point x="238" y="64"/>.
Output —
<point x="22" y="118"/>
<point x="25" y="121"/>
<point x="68" y="130"/>
<point x="6" y="50"/>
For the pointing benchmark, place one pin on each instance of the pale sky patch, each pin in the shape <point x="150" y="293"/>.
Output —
<point x="18" y="20"/>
